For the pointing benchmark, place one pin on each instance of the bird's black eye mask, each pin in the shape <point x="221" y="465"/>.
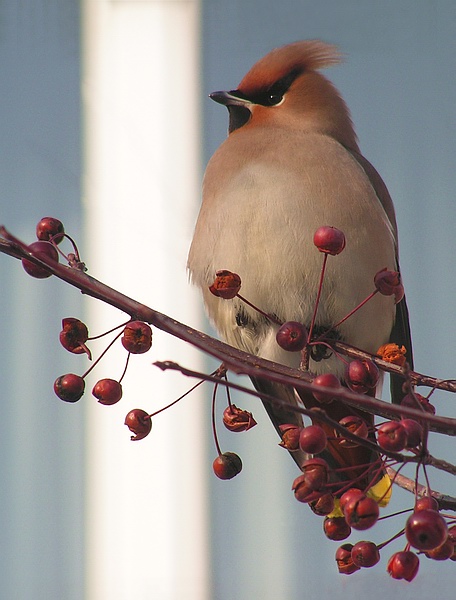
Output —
<point x="273" y="94"/>
<point x="270" y="96"/>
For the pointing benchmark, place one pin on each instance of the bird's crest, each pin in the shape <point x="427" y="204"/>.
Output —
<point x="309" y="55"/>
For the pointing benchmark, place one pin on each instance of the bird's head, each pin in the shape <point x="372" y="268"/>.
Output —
<point x="284" y="89"/>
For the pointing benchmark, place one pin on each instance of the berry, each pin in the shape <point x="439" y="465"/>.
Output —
<point x="39" y="249"/>
<point x="290" y="436"/>
<point x="139" y="423"/>
<point x="365" y="554"/>
<point x="361" y="375"/>
<point x="414" y="432"/>
<point x="69" y="387"/>
<point x="336" y="528"/>
<point x="344" y="560"/>
<point x="236" y="419"/>
<point x="418" y="401"/>
<point x="292" y="336"/>
<point x="107" y="391"/>
<point x="227" y="465"/>
<point x="355" y="425"/>
<point x="442" y="552"/>
<point x="392" y="436"/>
<point x="348" y="496"/>
<point x="389" y="283"/>
<point x="426" y="529"/>
<point x="312" y="439"/>
<point x="74" y="335"/>
<point x="226" y="285"/>
<point x="361" y="513"/>
<point x="327" y="380"/>
<point x="137" y="337"/>
<point x="329" y="240"/>
<point x="426" y="503"/>
<point x="403" y="565"/>
<point x="49" y="228"/>
<point x="323" y="506"/>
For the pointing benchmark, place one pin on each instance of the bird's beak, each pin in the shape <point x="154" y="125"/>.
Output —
<point x="238" y="107"/>
<point x="232" y="98"/>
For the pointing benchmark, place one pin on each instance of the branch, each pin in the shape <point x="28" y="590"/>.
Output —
<point x="235" y="360"/>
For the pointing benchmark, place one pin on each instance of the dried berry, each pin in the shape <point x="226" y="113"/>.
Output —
<point x="323" y="506"/>
<point x="393" y="354"/>
<point x="139" y="423"/>
<point x="355" y="425"/>
<point x="290" y="436"/>
<point x="137" y="337"/>
<point x="236" y="419"/>
<point x="344" y="560"/>
<point x="226" y="285"/>
<point x="403" y="565"/>
<point x="389" y="283"/>
<point x="74" y="335"/>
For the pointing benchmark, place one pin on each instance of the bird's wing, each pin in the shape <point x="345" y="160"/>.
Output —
<point x="400" y="334"/>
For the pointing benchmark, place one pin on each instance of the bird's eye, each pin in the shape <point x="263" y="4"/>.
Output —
<point x="274" y="99"/>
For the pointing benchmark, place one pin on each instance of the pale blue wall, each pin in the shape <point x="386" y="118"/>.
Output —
<point x="41" y="438"/>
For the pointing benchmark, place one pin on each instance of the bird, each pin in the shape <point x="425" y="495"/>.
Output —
<point x="291" y="164"/>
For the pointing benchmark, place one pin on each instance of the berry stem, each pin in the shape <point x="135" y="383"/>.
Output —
<point x="317" y="301"/>
<point x="270" y="317"/>
<point x="101" y="355"/>
<point x="214" y="428"/>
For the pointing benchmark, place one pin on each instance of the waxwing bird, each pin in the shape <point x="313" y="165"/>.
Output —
<point x="291" y="164"/>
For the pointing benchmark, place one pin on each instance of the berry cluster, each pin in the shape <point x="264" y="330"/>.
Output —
<point x="347" y="475"/>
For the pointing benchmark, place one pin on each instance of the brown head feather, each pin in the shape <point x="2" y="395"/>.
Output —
<point x="308" y="55"/>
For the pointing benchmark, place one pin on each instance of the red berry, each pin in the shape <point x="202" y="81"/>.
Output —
<point x="290" y="436"/>
<point x="414" y="432"/>
<point x="137" y="337"/>
<point x="426" y="503"/>
<point x="361" y="513"/>
<point x="426" y="529"/>
<point x="348" y="496"/>
<point x="389" y="283"/>
<point x="227" y="465"/>
<point x="69" y="387"/>
<point x="107" y="391"/>
<point x="403" y="565"/>
<point x="38" y="249"/>
<point x="442" y="552"/>
<point x="336" y="528"/>
<point x="417" y="401"/>
<point x="312" y="439"/>
<point x="226" y="285"/>
<point x="362" y="375"/>
<point x="329" y="240"/>
<point x="49" y="228"/>
<point x="365" y="554"/>
<point x="327" y="380"/>
<point x="392" y="436"/>
<point x="292" y="336"/>
<point x="344" y="560"/>
<point x="323" y="506"/>
<point x="355" y="425"/>
<point x="139" y="423"/>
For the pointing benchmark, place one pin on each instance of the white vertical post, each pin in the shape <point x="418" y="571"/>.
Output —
<point x="146" y="529"/>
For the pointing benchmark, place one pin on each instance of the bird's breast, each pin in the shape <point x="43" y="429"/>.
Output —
<point x="263" y="200"/>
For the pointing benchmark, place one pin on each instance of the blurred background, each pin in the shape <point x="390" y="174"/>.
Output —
<point x="105" y="123"/>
